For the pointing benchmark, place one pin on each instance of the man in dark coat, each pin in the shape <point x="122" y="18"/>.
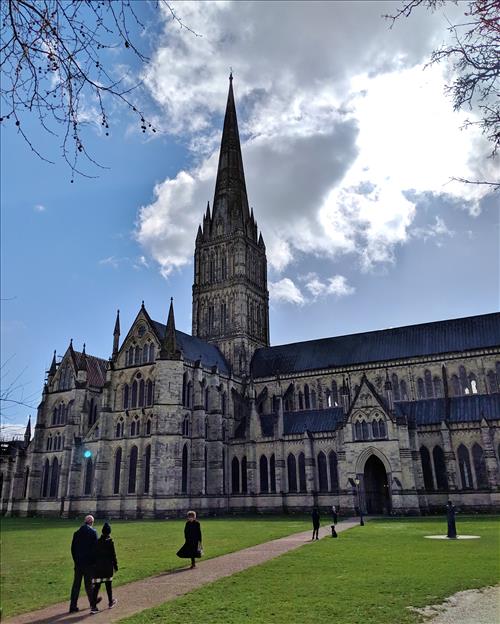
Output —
<point x="450" y="516"/>
<point x="192" y="534"/>
<point x="315" y="520"/>
<point x="82" y="551"/>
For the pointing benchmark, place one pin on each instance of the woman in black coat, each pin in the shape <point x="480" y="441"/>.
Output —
<point x="192" y="535"/>
<point x="105" y="564"/>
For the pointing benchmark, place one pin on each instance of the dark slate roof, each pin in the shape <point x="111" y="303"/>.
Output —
<point x="455" y="335"/>
<point x="470" y="408"/>
<point x="194" y="348"/>
<point x="96" y="368"/>
<point x="305" y="420"/>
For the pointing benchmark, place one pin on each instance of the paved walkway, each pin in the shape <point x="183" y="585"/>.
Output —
<point x="155" y="590"/>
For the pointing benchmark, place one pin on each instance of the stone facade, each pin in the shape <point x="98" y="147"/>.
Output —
<point x="396" y="421"/>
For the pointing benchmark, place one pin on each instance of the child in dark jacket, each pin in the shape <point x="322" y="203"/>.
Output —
<point x="104" y="566"/>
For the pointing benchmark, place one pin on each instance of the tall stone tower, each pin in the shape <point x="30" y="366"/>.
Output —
<point x="230" y="296"/>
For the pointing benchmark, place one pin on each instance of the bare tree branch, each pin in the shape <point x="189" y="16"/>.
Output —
<point x="54" y="65"/>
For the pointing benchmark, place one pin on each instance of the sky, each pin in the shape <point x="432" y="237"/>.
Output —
<point x="349" y="145"/>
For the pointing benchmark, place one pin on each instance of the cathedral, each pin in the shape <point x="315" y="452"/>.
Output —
<point x="395" y="421"/>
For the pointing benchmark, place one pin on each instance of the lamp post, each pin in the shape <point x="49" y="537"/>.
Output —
<point x="361" y="521"/>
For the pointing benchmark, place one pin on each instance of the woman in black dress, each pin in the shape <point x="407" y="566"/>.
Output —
<point x="192" y="535"/>
<point x="104" y="566"/>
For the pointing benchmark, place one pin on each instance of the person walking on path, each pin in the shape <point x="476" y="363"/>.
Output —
<point x="315" y="520"/>
<point x="450" y="516"/>
<point x="335" y="516"/>
<point x="82" y="551"/>
<point x="192" y="535"/>
<point x="105" y="564"/>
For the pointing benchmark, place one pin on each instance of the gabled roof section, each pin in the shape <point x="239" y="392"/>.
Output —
<point x="469" y="408"/>
<point x="455" y="335"/>
<point x="96" y="368"/>
<point x="193" y="348"/>
<point x="379" y="399"/>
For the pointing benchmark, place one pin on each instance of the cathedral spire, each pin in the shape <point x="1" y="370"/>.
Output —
<point x="27" y="432"/>
<point x="116" y="335"/>
<point x="169" y="349"/>
<point x="230" y="199"/>
<point x="53" y="366"/>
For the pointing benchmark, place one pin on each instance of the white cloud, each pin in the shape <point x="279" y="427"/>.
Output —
<point x="330" y="148"/>
<point x="336" y="285"/>
<point x="285" y="291"/>
<point x="39" y="208"/>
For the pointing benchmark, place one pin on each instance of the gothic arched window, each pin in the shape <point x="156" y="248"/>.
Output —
<point x="235" y="476"/>
<point x="473" y="383"/>
<point x="185" y="426"/>
<point x="184" y="480"/>
<point x="375" y="430"/>
<point x="132" y="470"/>
<point x="429" y="390"/>
<point x="301" y="400"/>
<point x="272" y="471"/>
<point x="26" y="481"/>
<point x="134" y="427"/>
<point x="120" y="426"/>
<point x="89" y="476"/>
<point x="302" y="473"/>
<point x="364" y="429"/>
<point x="334" y="474"/>
<point x="133" y="402"/>
<point x="395" y="387"/>
<point x="464" y="467"/>
<point x="479" y="466"/>
<point x="49" y="443"/>
<point x="425" y="458"/>
<point x="244" y="478"/>
<point x="307" y="401"/>
<point x="464" y="382"/>
<point x="292" y="473"/>
<point x="118" y="467"/>
<point x="455" y="385"/>
<point x="492" y="382"/>
<point x="54" y="478"/>
<point x="440" y="468"/>
<point x="358" y="432"/>
<point x="141" y="393"/>
<point x="437" y="383"/>
<point x="420" y="388"/>
<point x="148" y="426"/>
<point x="322" y="473"/>
<point x="404" y="390"/>
<point x="335" y="393"/>
<point x="328" y="398"/>
<point x="125" y="396"/>
<point x="147" y="468"/>
<point x="149" y="392"/>
<point x="264" y="478"/>
<point x="382" y="429"/>
<point x="45" y="479"/>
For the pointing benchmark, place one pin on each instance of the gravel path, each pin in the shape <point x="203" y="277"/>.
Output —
<point x="155" y="590"/>
<point x="474" y="606"/>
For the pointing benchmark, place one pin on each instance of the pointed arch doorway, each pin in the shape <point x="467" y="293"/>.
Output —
<point x="376" y="487"/>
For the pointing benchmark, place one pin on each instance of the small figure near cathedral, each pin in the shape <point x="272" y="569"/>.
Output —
<point x="450" y="515"/>
<point x="192" y="548"/>
<point x="105" y="564"/>
<point x="82" y="551"/>
<point x="334" y="514"/>
<point x="316" y="522"/>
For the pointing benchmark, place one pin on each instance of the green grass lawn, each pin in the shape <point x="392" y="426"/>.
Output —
<point x="370" y="575"/>
<point x="36" y="564"/>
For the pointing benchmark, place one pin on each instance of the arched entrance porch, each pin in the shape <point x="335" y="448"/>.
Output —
<point x="376" y="487"/>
